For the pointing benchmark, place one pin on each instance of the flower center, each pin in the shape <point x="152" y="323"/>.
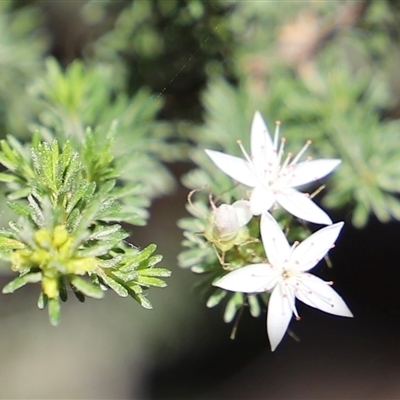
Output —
<point x="288" y="268"/>
<point x="286" y="274"/>
<point x="277" y="172"/>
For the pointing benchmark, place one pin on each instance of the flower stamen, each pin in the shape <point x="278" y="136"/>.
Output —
<point x="276" y="134"/>
<point x="301" y="152"/>
<point x="281" y="150"/>
<point x="294" y="245"/>
<point x="248" y="158"/>
<point x="286" y="162"/>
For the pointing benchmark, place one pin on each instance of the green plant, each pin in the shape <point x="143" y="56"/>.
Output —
<point x="69" y="207"/>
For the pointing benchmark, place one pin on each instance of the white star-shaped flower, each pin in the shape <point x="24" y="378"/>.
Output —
<point x="273" y="180"/>
<point x="286" y="276"/>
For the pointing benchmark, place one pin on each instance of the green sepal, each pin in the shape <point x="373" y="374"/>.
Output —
<point x="4" y="160"/>
<point x="233" y="305"/>
<point x="7" y="233"/>
<point x="112" y="284"/>
<point x="150" y="281"/>
<point x="42" y="301"/>
<point x="254" y="305"/>
<point x="9" y="178"/>
<point x="193" y="258"/>
<point x="141" y="299"/>
<point x="19" y="194"/>
<point x="101" y="232"/>
<point x="87" y="288"/>
<point x="21" y="209"/>
<point x="79" y="295"/>
<point x="201" y="269"/>
<point x="158" y="272"/>
<point x="89" y="214"/>
<point x="54" y="311"/>
<point x="73" y="219"/>
<point x="62" y="289"/>
<point x="111" y="263"/>
<point x="22" y="280"/>
<point x="36" y="213"/>
<point x="8" y="244"/>
<point x="8" y="157"/>
<point x="96" y="250"/>
<point x="216" y="297"/>
<point x="82" y="192"/>
<point x="142" y="260"/>
<point x="123" y="216"/>
<point x="129" y="190"/>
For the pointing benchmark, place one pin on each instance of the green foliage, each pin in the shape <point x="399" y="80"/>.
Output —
<point x="66" y="235"/>
<point x="368" y="179"/>
<point x="82" y="97"/>
<point x="181" y="36"/>
<point x="100" y="163"/>
<point x="340" y="95"/>
<point x="22" y="46"/>
<point x="336" y="87"/>
<point x="212" y="261"/>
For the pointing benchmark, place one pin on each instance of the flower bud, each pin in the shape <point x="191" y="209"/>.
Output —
<point x="43" y="238"/>
<point x="225" y="222"/>
<point x="50" y="287"/>
<point x="60" y="235"/>
<point x="226" y="227"/>
<point x="40" y="257"/>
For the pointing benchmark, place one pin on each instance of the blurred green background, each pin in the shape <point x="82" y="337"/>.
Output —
<point x="180" y="76"/>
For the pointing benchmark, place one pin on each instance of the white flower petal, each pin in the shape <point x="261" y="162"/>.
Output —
<point x="280" y="306"/>
<point x="317" y="293"/>
<point x="262" y="150"/>
<point x="301" y="206"/>
<point x="275" y="243"/>
<point x="261" y="200"/>
<point x="254" y="278"/>
<point x="310" y="171"/>
<point x="311" y="250"/>
<point x="235" y="167"/>
<point x="243" y="212"/>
